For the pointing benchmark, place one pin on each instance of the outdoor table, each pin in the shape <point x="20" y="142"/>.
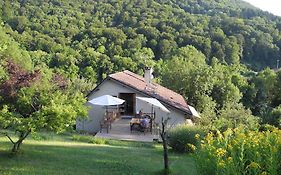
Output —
<point x="134" y="122"/>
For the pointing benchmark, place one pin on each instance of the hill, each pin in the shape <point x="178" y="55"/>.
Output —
<point x="94" y="38"/>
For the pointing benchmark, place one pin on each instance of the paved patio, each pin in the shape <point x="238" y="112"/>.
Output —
<point x="121" y="131"/>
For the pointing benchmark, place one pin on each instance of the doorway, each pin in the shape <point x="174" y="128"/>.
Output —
<point x="130" y="103"/>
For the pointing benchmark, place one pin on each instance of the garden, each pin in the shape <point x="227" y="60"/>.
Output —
<point x="234" y="151"/>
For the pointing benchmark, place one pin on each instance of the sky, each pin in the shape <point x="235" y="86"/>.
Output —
<point x="273" y="6"/>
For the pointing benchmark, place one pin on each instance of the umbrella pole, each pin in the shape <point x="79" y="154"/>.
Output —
<point x="152" y="118"/>
<point x="106" y="111"/>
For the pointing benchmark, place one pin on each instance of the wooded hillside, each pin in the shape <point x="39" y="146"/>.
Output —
<point x="92" y="38"/>
<point x="216" y="45"/>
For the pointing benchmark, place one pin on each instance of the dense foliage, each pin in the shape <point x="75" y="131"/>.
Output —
<point x="240" y="152"/>
<point x="209" y="43"/>
<point x="183" y="138"/>
<point x="31" y="101"/>
<point x="93" y="38"/>
<point x="226" y="95"/>
<point x="206" y="50"/>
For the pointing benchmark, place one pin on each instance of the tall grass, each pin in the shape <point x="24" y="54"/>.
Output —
<point x="240" y="152"/>
<point x="89" y="139"/>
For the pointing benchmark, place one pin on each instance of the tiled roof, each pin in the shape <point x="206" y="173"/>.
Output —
<point x="155" y="90"/>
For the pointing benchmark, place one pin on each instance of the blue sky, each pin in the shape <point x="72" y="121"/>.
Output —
<point x="273" y="6"/>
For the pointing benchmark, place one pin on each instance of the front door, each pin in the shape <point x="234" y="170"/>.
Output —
<point x="130" y="103"/>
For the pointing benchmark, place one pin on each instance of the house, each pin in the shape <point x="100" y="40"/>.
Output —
<point x="127" y="86"/>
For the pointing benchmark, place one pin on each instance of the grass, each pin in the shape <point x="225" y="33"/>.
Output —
<point x="53" y="154"/>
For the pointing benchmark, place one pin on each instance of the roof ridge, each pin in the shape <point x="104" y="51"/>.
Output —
<point x="170" y="97"/>
<point x="160" y="92"/>
<point x="132" y="74"/>
<point x="175" y="93"/>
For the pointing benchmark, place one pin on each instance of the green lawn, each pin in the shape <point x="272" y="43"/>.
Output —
<point x="61" y="155"/>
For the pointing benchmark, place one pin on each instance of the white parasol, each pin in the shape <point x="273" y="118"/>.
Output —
<point x="106" y="100"/>
<point x="154" y="103"/>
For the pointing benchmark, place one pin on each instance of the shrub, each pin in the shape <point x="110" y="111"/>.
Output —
<point x="123" y="143"/>
<point x="182" y="138"/>
<point x="275" y="118"/>
<point x="239" y="152"/>
<point x="39" y="136"/>
<point x="99" y="141"/>
<point x="89" y="139"/>
<point x="235" y="115"/>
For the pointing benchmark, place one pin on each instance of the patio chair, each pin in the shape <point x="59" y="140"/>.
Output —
<point x="107" y="121"/>
<point x="110" y="117"/>
<point x="105" y="124"/>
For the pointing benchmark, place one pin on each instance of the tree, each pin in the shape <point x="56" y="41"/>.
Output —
<point x="177" y="72"/>
<point x="164" y="134"/>
<point x="265" y="87"/>
<point x="34" y="100"/>
<point x="275" y="117"/>
<point x="277" y="90"/>
<point x="233" y="115"/>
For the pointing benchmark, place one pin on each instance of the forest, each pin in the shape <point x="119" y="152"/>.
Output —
<point x="227" y="48"/>
<point x="223" y="56"/>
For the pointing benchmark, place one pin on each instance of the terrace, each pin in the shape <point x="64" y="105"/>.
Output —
<point x="121" y="130"/>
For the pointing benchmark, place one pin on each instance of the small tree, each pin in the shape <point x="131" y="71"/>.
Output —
<point x="275" y="117"/>
<point x="164" y="134"/>
<point x="31" y="101"/>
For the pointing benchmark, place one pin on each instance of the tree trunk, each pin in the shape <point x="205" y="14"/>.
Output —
<point x="17" y="144"/>
<point x="163" y="135"/>
<point x="165" y="154"/>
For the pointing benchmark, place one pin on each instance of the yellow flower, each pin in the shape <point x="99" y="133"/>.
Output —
<point x="191" y="146"/>
<point x="197" y="136"/>
<point x="264" y="173"/>
<point x="220" y="152"/>
<point x="229" y="146"/>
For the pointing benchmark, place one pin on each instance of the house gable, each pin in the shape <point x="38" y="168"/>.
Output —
<point x="137" y="84"/>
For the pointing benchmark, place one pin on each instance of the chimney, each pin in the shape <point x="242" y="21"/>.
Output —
<point x="148" y="75"/>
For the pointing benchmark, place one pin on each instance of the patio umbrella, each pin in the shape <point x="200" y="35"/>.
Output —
<point x="154" y="103"/>
<point x="106" y="100"/>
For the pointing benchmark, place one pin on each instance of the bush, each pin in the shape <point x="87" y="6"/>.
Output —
<point x="235" y="115"/>
<point x="39" y="136"/>
<point x="183" y="138"/>
<point x="275" y="118"/>
<point x="99" y="141"/>
<point x="239" y="152"/>
<point x="89" y="139"/>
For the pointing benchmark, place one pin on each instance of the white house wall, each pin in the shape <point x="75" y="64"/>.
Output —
<point x="96" y="113"/>
<point x="109" y="87"/>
